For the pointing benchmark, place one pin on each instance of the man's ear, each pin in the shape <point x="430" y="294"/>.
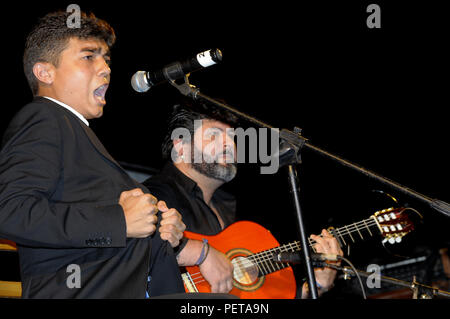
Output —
<point x="44" y="72"/>
<point x="178" y="147"/>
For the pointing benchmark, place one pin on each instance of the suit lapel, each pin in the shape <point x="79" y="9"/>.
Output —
<point x="98" y="145"/>
<point x="102" y="150"/>
<point x="90" y="134"/>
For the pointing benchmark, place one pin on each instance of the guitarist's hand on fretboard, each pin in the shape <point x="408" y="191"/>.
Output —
<point x="325" y="244"/>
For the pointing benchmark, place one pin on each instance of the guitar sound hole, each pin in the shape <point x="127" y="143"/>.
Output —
<point x="245" y="271"/>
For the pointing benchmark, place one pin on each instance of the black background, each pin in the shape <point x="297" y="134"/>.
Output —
<point x="373" y="96"/>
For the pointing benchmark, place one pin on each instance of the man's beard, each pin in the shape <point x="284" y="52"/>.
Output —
<point x="221" y="171"/>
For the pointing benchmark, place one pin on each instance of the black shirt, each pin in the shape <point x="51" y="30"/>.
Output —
<point x="182" y="193"/>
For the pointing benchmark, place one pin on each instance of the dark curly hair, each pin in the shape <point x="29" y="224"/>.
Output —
<point x="50" y="36"/>
<point x="185" y="113"/>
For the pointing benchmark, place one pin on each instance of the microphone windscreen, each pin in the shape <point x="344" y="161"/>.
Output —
<point x="139" y="82"/>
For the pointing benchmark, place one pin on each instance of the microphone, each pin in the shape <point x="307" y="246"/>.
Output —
<point x="142" y="81"/>
<point x="296" y="258"/>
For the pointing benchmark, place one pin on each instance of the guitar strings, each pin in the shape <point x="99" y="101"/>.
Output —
<point x="267" y="255"/>
<point x="197" y="277"/>
<point x="349" y="230"/>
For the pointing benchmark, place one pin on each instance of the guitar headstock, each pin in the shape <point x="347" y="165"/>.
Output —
<point x="393" y="223"/>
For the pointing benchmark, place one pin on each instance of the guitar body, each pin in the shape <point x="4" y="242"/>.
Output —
<point x="237" y="241"/>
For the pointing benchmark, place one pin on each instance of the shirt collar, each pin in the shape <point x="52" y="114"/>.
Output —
<point x="191" y="186"/>
<point x="81" y="117"/>
<point x="180" y="178"/>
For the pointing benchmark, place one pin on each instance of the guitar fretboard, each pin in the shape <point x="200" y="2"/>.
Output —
<point x="266" y="264"/>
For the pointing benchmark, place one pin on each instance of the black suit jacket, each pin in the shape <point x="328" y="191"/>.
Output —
<point x="59" y="193"/>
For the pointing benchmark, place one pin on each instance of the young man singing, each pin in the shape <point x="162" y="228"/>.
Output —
<point x="83" y="227"/>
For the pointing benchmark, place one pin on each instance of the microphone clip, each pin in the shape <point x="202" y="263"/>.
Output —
<point x="185" y="88"/>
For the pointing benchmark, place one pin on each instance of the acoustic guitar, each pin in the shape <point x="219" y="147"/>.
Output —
<point x="251" y="247"/>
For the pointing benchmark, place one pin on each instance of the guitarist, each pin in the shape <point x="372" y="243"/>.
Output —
<point x="192" y="186"/>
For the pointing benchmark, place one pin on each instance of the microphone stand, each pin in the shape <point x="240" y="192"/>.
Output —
<point x="291" y="142"/>
<point x="420" y="291"/>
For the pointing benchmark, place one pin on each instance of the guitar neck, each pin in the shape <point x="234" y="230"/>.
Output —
<point x="344" y="234"/>
<point x="357" y="230"/>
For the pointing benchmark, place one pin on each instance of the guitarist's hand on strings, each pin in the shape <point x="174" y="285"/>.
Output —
<point x="325" y="244"/>
<point x="216" y="268"/>
<point x="218" y="271"/>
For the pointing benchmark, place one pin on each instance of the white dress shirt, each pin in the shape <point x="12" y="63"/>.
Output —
<point x="81" y="117"/>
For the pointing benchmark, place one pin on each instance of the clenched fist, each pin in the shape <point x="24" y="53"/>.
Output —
<point x="172" y="227"/>
<point x="140" y="213"/>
